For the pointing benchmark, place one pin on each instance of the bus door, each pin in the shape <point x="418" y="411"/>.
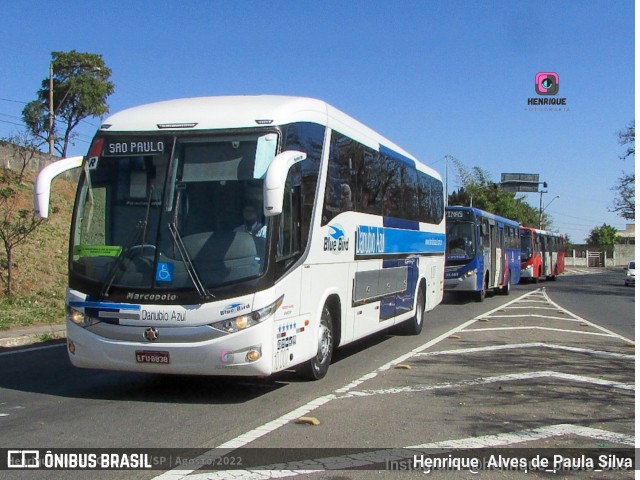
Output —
<point x="499" y="253"/>
<point x="544" y="249"/>
<point x="493" y="255"/>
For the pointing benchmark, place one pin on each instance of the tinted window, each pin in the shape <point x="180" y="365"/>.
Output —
<point x="363" y="180"/>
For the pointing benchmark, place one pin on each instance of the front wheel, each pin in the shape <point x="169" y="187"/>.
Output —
<point x="317" y="367"/>
<point x="482" y="294"/>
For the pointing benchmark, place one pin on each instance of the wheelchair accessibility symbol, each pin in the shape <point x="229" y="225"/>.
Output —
<point x="164" y="272"/>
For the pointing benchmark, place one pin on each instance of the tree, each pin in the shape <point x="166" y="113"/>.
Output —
<point x="24" y="148"/>
<point x="16" y="224"/>
<point x="624" y="203"/>
<point x="604" y="236"/>
<point x="80" y="89"/>
<point x="478" y="189"/>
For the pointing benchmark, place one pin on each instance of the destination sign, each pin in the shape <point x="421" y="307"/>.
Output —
<point x="133" y="146"/>
<point x="459" y="214"/>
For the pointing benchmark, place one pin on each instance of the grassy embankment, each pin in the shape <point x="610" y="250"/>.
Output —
<point x="40" y="264"/>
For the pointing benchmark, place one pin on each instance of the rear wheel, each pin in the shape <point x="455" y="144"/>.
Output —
<point x="506" y="289"/>
<point x="317" y="367"/>
<point x="414" y="325"/>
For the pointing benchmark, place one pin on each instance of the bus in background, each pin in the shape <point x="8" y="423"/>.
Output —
<point x="483" y="252"/>
<point x="542" y="254"/>
<point x="244" y="236"/>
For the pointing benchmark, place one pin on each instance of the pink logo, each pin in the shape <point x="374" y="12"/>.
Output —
<point x="547" y="83"/>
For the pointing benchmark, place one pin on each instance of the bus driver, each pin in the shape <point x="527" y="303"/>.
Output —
<point x="251" y="224"/>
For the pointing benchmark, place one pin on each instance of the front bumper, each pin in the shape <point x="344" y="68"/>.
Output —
<point x="226" y="355"/>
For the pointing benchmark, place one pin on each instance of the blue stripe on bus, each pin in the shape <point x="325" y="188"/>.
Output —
<point x="104" y="305"/>
<point x="401" y="302"/>
<point x="392" y="241"/>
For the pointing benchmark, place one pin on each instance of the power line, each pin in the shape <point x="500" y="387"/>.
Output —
<point x="12" y="123"/>
<point x="13" y="101"/>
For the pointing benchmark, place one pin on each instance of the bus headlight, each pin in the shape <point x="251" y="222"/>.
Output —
<point x="80" y="318"/>
<point x="243" y="322"/>
<point x="471" y="272"/>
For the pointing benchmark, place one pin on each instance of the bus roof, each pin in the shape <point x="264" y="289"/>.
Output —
<point x="247" y="111"/>
<point x="542" y="232"/>
<point x="482" y="213"/>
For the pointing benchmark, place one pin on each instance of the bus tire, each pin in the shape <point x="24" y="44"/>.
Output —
<point x="413" y="326"/>
<point x="506" y="289"/>
<point x="317" y="367"/>
<point x="482" y="294"/>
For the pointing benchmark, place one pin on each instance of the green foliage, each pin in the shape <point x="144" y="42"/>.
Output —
<point x="478" y="190"/>
<point x="80" y="89"/>
<point x="39" y="264"/>
<point x="604" y="236"/>
<point x="16" y="224"/>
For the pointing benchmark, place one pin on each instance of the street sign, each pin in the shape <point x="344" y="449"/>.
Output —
<point x="520" y="182"/>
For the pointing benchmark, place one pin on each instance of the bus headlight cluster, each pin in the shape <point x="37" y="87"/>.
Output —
<point x="80" y="318"/>
<point x="242" y="322"/>
<point x="471" y="272"/>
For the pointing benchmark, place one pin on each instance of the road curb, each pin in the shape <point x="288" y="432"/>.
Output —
<point x="30" y="336"/>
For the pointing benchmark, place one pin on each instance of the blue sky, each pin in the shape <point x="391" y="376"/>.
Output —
<point x="437" y="78"/>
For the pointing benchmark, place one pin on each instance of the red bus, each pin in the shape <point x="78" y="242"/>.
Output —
<point x="542" y="254"/>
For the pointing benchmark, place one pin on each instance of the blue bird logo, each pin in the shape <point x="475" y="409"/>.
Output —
<point x="337" y="233"/>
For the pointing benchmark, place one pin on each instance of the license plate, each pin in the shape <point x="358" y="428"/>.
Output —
<point x="152" y="356"/>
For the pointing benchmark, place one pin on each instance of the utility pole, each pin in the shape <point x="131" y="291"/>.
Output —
<point x="446" y="180"/>
<point x="51" y="138"/>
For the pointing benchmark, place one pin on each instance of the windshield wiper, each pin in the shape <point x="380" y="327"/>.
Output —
<point x="140" y="231"/>
<point x="191" y="270"/>
<point x="115" y="267"/>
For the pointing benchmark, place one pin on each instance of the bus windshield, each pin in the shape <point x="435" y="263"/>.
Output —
<point x="460" y="240"/>
<point x="526" y="245"/>
<point x="171" y="212"/>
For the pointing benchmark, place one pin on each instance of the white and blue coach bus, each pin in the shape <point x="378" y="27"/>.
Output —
<point x="243" y="236"/>
<point x="483" y="252"/>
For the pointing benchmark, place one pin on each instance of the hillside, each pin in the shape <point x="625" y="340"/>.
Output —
<point x="40" y="264"/>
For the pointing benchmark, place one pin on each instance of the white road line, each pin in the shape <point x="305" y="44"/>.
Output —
<point x="613" y="334"/>
<point x="319" y="465"/>
<point x="512" y="377"/>
<point x="535" y="315"/>
<point x="533" y="327"/>
<point x="514" y="307"/>
<point x="32" y="349"/>
<point x="269" y="427"/>
<point x="514" y="346"/>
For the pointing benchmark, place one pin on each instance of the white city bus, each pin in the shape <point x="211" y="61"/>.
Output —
<point x="243" y="236"/>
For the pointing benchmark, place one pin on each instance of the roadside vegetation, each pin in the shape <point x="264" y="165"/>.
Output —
<point x="39" y="264"/>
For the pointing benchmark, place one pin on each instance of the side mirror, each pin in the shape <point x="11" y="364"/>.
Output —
<point x="276" y="176"/>
<point x="42" y="191"/>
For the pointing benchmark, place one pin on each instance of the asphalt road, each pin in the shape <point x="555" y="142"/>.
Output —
<point x="532" y="369"/>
